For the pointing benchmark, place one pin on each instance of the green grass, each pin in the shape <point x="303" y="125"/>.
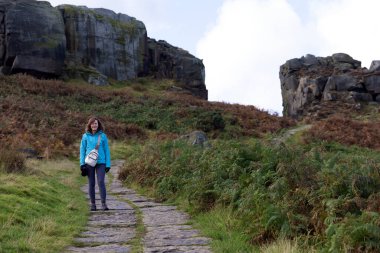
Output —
<point x="41" y="211"/>
<point x="118" y="149"/>
<point x="286" y="246"/>
<point x="225" y="230"/>
<point x="136" y="242"/>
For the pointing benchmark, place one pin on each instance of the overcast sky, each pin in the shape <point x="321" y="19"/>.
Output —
<point x="244" y="42"/>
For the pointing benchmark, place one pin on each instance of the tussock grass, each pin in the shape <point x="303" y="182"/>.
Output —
<point x="285" y="246"/>
<point x="225" y="229"/>
<point x="41" y="212"/>
<point x="11" y="161"/>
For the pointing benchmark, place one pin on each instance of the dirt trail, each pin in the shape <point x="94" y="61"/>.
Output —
<point x="165" y="228"/>
<point x="281" y="139"/>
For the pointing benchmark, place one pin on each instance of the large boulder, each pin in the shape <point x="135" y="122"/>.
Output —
<point x="101" y="42"/>
<point x="93" y="44"/>
<point x="310" y="80"/>
<point x="372" y="84"/>
<point x="375" y="66"/>
<point x="113" y="44"/>
<point x="167" y="61"/>
<point x="32" y="38"/>
<point x="344" y="62"/>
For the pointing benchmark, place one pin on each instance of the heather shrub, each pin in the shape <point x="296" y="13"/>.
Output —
<point x="345" y="131"/>
<point x="207" y="121"/>
<point x="49" y="115"/>
<point x="12" y="161"/>
<point x="134" y="131"/>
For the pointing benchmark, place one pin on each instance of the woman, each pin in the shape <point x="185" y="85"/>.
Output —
<point x="94" y="134"/>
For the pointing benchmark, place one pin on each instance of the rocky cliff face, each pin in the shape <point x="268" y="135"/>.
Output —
<point x="113" y="44"/>
<point x="308" y="81"/>
<point x="32" y="38"/>
<point x="166" y="61"/>
<point x="93" y="44"/>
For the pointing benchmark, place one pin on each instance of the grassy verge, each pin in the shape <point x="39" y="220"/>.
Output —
<point x="136" y="242"/>
<point x="323" y="194"/>
<point x="119" y="149"/>
<point x="225" y="229"/>
<point x="41" y="211"/>
<point x="228" y="235"/>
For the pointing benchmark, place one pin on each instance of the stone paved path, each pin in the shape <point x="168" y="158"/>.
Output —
<point x="165" y="228"/>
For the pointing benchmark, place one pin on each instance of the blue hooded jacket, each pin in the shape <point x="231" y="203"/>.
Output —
<point x="89" y="142"/>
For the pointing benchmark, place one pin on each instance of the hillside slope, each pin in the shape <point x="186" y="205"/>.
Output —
<point x="319" y="188"/>
<point x="49" y="116"/>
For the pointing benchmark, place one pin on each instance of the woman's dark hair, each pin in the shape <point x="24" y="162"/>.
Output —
<point x="90" y="121"/>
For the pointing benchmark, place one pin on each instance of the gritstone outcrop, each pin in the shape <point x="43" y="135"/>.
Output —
<point x="32" y="38"/>
<point x="93" y="44"/>
<point x="308" y="81"/>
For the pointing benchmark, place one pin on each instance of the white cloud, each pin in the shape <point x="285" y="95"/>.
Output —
<point x="252" y="38"/>
<point x="245" y="49"/>
<point x="349" y="26"/>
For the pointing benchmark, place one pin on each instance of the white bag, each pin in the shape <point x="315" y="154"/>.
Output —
<point x="92" y="157"/>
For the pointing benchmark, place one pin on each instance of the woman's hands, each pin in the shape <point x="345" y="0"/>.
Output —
<point x="83" y="169"/>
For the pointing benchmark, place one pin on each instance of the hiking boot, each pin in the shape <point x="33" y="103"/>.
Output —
<point x="93" y="207"/>
<point x="104" y="207"/>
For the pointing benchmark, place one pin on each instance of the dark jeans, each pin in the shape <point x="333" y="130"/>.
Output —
<point x="100" y="170"/>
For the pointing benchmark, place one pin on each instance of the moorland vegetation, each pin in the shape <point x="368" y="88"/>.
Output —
<point x="316" y="191"/>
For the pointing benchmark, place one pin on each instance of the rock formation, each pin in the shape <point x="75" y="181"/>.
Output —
<point x="113" y="44"/>
<point x="166" y="61"/>
<point x="310" y="80"/>
<point x="32" y="38"/>
<point x="93" y="44"/>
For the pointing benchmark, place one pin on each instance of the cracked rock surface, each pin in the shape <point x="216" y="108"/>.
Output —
<point x="166" y="229"/>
